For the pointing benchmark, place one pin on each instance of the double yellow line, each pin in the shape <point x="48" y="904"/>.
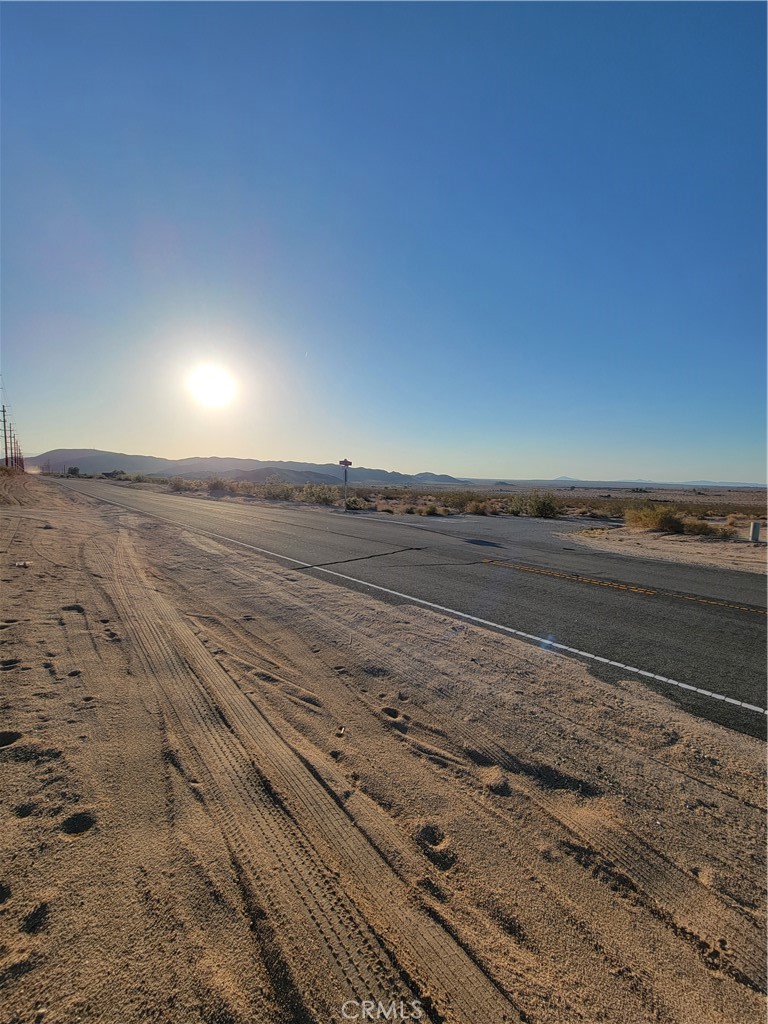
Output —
<point x="575" y="578"/>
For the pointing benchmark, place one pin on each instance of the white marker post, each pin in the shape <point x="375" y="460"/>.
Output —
<point x="346" y="464"/>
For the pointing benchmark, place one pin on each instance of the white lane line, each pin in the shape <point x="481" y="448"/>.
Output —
<point x="543" y="641"/>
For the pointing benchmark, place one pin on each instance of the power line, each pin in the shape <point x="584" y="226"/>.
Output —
<point x="12" y="451"/>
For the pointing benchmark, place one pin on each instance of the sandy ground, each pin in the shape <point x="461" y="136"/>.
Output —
<point x="723" y="554"/>
<point x="704" y="496"/>
<point x="235" y="794"/>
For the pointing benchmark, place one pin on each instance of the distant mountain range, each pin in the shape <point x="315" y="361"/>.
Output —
<point x="91" y="460"/>
<point x="717" y="483"/>
<point x="576" y="482"/>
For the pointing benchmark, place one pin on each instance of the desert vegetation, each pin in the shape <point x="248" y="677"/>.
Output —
<point x="669" y="519"/>
<point x="389" y="499"/>
<point x="644" y="508"/>
<point x="715" y="518"/>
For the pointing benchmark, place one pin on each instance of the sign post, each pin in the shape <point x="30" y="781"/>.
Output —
<point x="346" y="464"/>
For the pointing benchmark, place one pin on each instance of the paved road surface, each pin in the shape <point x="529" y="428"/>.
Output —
<point x="697" y="625"/>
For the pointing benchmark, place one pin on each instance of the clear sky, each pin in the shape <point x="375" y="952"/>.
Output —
<point x="503" y="240"/>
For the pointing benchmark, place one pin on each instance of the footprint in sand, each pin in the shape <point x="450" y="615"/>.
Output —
<point x="433" y="843"/>
<point x="36" y="919"/>
<point x="24" y="810"/>
<point x="78" y="824"/>
<point x="397" y="720"/>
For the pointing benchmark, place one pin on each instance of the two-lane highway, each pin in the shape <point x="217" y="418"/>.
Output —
<point x="699" y="626"/>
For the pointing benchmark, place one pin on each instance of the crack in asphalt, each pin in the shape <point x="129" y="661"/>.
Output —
<point x="360" y="558"/>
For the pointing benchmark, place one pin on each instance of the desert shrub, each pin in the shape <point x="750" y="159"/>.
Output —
<point x="178" y="484"/>
<point x="513" y="506"/>
<point x="319" y="494"/>
<point x="357" y="504"/>
<point x="409" y="510"/>
<point x="735" y="519"/>
<point x="544" y="506"/>
<point x="247" y="488"/>
<point x="277" y="489"/>
<point x="662" y="518"/>
<point x="476" y="508"/>
<point x="699" y="528"/>
<point x="217" y="485"/>
<point x="459" y="500"/>
<point x="428" y="510"/>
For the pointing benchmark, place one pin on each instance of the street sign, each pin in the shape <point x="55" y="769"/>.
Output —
<point x="346" y="464"/>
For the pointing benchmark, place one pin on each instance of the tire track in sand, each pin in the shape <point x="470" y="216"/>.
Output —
<point x="616" y="858"/>
<point x="383" y="946"/>
<point x="723" y="937"/>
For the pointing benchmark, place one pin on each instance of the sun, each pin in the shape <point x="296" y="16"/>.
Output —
<point x="211" y="385"/>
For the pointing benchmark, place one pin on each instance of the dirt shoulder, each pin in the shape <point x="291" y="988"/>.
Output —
<point x="731" y="554"/>
<point x="235" y="793"/>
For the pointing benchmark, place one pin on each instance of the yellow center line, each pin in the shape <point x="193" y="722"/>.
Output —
<point x="575" y="578"/>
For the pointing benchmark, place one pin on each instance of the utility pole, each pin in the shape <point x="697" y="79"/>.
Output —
<point x="5" y="436"/>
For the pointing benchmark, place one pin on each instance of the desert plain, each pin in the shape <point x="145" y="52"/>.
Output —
<point x="234" y="793"/>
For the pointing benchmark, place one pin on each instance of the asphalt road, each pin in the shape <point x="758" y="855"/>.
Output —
<point x="701" y="626"/>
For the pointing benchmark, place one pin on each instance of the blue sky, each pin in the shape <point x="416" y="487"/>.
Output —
<point x="513" y="240"/>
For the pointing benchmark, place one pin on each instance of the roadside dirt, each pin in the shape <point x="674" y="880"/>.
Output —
<point x="233" y="793"/>
<point x="722" y="554"/>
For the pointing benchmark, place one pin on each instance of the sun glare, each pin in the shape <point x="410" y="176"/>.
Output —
<point x="212" y="386"/>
